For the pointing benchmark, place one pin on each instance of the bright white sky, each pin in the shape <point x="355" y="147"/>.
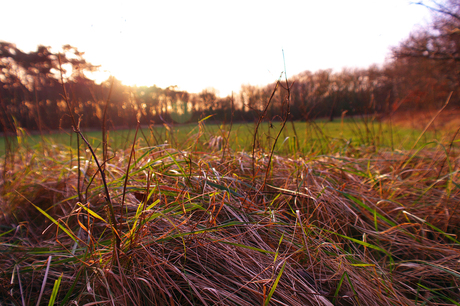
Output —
<point x="221" y="44"/>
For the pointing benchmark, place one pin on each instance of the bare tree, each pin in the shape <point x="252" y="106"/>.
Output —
<point x="440" y="41"/>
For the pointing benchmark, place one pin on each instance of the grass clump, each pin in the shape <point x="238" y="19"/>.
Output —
<point x="349" y="227"/>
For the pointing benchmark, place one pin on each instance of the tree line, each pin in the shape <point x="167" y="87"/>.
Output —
<point x="422" y="71"/>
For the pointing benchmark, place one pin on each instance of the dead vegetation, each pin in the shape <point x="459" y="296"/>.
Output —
<point x="412" y="119"/>
<point x="196" y="229"/>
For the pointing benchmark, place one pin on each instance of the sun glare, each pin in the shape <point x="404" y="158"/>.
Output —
<point x="208" y="49"/>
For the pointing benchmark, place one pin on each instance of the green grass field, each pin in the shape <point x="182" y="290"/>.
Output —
<point x="302" y="137"/>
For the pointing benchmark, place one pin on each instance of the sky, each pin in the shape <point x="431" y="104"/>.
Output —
<point x="197" y="44"/>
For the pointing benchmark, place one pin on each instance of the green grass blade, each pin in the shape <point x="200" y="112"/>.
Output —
<point x="71" y="235"/>
<point x="336" y="293"/>
<point x="176" y="163"/>
<point x="153" y="204"/>
<point x="444" y="269"/>
<point x="246" y="247"/>
<point x="55" y="291"/>
<point x="72" y="287"/>
<point x="92" y="213"/>
<point x="442" y="233"/>
<point x="353" y="289"/>
<point x="277" y="249"/>
<point x="366" y="244"/>
<point x="275" y="284"/>
<point x="205" y="118"/>
<point x="432" y="227"/>
<point x="371" y="210"/>
<point x="3" y="234"/>
<point x="221" y="187"/>
<point x="435" y="293"/>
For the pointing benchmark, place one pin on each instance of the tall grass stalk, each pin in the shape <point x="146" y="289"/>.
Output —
<point x="76" y="128"/>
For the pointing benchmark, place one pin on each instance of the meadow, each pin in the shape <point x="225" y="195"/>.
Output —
<point x="296" y="137"/>
<point x="350" y="212"/>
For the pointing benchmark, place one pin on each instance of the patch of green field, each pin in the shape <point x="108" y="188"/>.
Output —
<point x="302" y="137"/>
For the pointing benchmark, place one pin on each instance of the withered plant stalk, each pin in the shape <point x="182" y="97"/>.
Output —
<point x="261" y="117"/>
<point x="76" y="129"/>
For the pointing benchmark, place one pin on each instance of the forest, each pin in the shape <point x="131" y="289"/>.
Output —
<point x="419" y="74"/>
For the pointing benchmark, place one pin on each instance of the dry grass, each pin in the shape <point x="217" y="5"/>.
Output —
<point x="447" y="121"/>
<point x="196" y="229"/>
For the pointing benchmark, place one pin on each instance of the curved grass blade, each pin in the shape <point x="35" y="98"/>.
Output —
<point x="448" y="236"/>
